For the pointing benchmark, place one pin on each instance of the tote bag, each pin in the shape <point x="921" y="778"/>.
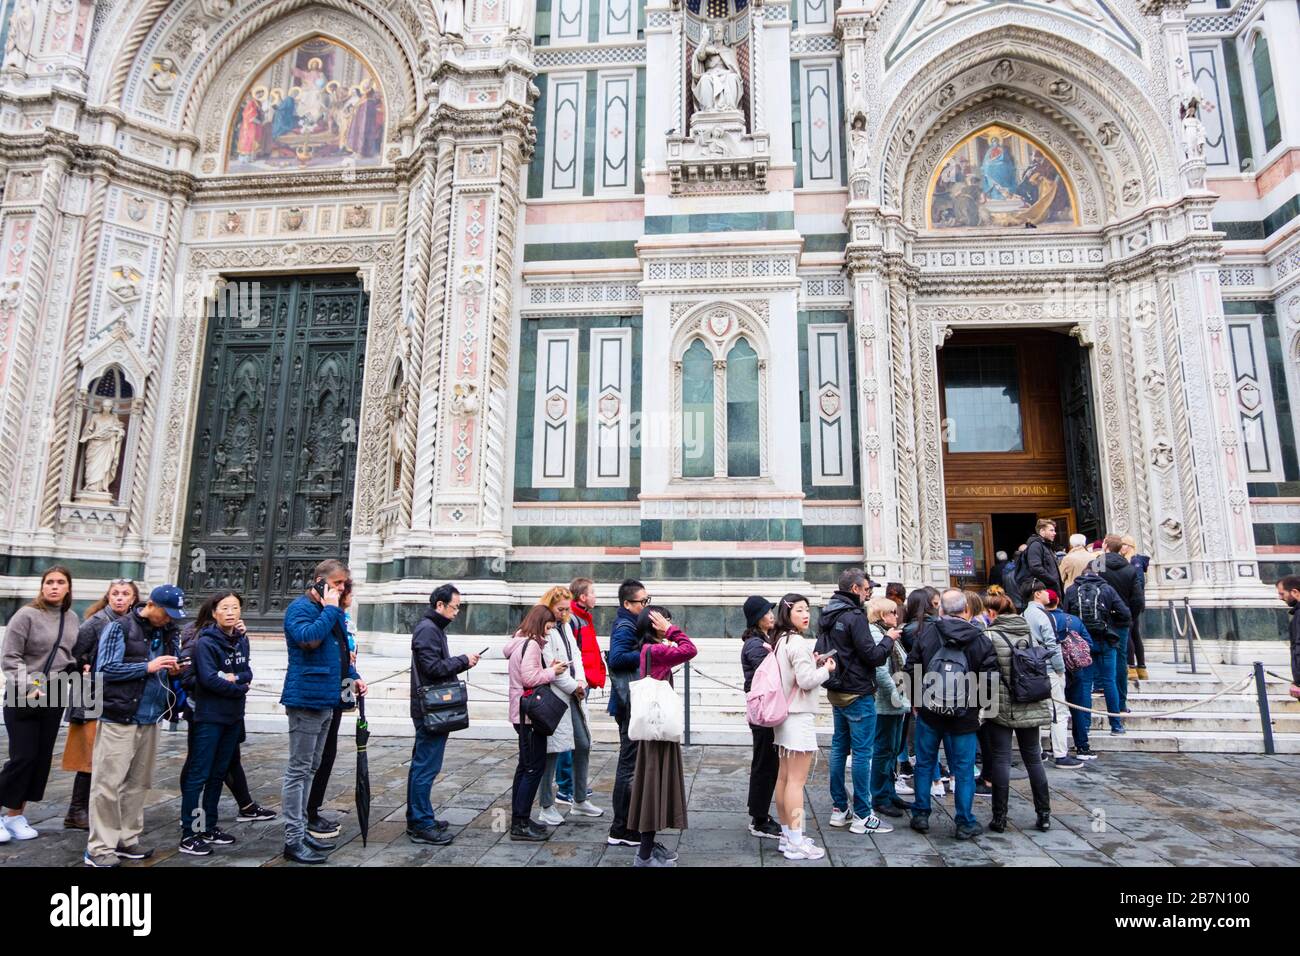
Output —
<point x="657" y="712"/>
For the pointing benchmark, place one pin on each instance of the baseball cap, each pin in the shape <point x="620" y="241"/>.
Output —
<point x="170" y="598"/>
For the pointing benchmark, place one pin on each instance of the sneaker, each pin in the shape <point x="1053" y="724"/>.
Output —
<point x="654" y="860"/>
<point x="105" y="861"/>
<point x="1085" y="753"/>
<point x="19" y="828"/>
<point x="969" y="832"/>
<point x="839" y="818"/>
<point x="254" y="813"/>
<point x="663" y="852"/>
<point x="807" y="850"/>
<point x="1045" y="756"/>
<point x="195" y="846"/>
<point x="551" y="816"/>
<point x="561" y="797"/>
<point x="323" y="828"/>
<point x="1068" y="763"/>
<point x="982" y="789"/>
<point x="5" y="835"/>
<point x="768" y="829"/>
<point x="869" y="824"/>
<point x="586" y="809"/>
<point x="936" y="789"/>
<point x="905" y="769"/>
<point x="218" y="837"/>
<point x="432" y="836"/>
<point x="1114" y="732"/>
<point x="903" y="787"/>
<point x="136" y="852"/>
<point x="624" y="838"/>
<point x="527" y="833"/>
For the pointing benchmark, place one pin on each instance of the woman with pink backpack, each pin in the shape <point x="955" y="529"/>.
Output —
<point x="788" y="684"/>
<point x="765" y="764"/>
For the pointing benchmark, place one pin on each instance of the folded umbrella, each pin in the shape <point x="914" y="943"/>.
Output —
<point x="363" y="771"/>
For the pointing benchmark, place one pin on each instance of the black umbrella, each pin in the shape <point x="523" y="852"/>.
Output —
<point x="363" y="771"/>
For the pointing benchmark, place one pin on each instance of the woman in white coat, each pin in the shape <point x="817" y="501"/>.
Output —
<point x="574" y="734"/>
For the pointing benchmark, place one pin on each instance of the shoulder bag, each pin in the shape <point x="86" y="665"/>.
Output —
<point x="443" y="705"/>
<point x="657" y="712"/>
<point x="543" y="707"/>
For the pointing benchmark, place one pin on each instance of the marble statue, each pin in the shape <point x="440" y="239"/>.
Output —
<point x="103" y="440"/>
<point x="716" y="83"/>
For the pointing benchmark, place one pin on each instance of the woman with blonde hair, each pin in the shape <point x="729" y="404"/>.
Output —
<point x="572" y="735"/>
<point x="122" y="595"/>
<point x="892" y="703"/>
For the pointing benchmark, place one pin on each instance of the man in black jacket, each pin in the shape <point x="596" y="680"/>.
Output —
<point x="1288" y="589"/>
<point x="1129" y="582"/>
<point x="1040" y="561"/>
<point x="432" y="662"/>
<point x="843" y="630"/>
<point x="957" y="731"/>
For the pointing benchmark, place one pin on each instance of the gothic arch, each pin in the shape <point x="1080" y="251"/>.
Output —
<point x="1089" y="100"/>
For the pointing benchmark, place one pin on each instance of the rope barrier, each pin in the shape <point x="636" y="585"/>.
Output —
<point x="1167" y="713"/>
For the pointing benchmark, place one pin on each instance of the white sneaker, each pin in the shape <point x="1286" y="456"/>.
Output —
<point x="784" y="844"/>
<point x="936" y="789"/>
<point x="19" y="828"/>
<point x="902" y="788"/>
<point x="839" y="818"/>
<point x="807" y="850"/>
<point x="550" y="816"/>
<point x="5" y="835"/>
<point x="586" y="809"/>
<point x="869" y="824"/>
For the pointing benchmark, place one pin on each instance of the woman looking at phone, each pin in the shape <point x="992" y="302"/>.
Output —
<point x="527" y="673"/>
<point x="802" y="675"/>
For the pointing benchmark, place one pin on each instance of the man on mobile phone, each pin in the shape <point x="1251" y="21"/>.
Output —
<point x="431" y="662"/>
<point x="318" y="664"/>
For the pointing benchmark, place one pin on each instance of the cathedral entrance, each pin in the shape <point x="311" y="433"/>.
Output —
<point x="274" y="463"/>
<point x="1019" y="443"/>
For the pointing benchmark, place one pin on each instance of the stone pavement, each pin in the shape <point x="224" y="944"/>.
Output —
<point x="1124" y="809"/>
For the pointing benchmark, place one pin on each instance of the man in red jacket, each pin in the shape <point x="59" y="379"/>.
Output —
<point x="593" y="666"/>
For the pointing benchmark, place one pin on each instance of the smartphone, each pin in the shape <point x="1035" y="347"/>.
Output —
<point x="831" y="653"/>
<point x="319" y="586"/>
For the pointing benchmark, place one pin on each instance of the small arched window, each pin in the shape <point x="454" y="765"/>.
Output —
<point x="697" y="411"/>
<point x="742" y="411"/>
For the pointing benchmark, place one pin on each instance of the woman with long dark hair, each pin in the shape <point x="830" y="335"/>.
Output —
<point x="38" y="644"/>
<point x="527" y="673"/>
<point x="922" y="605"/>
<point x="658" y="783"/>
<point x="764" y="765"/>
<point x="802" y="674"/>
<point x="79" y="747"/>
<point x="222" y="676"/>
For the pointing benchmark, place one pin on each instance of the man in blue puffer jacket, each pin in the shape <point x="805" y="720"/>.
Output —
<point x="317" y="642"/>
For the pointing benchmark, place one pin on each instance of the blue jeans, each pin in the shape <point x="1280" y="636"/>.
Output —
<point x="889" y="730"/>
<point x="855" y="729"/>
<point x="564" y="774"/>
<point x="426" y="763"/>
<point x="1103" y="666"/>
<point x="1078" y="691"/>
<point x="1121" y="668"/>
<point x="212" y="749"/>
<point x="960" y="749"/>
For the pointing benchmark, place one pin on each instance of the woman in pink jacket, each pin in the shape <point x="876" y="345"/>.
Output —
<point x="527" y="672"/>
<point x="658" y="788"/>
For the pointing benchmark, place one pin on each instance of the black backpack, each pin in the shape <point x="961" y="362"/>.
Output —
<point x="825" y="645"/>
<point x="1029" y="682"/>
<point x="1013" y="580"/>
<point x="1094" y="608"/>
<point x="949" y="687"/>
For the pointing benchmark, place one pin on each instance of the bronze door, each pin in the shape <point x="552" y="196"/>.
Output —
<point x="274" y="463"/>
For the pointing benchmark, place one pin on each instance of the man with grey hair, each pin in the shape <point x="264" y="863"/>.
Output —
<point x="1075" y="560"/>
<point x="843" y="630"/>
<point x="948" y="651"/>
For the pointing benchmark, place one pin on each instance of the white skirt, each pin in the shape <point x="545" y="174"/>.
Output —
<point x="798" y="734"/>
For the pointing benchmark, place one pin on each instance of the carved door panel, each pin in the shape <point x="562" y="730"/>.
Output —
<point x="1081" y="456"/>
<point x="271" y="482"/>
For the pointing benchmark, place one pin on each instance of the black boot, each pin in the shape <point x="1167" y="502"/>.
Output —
<point x="78" y="817"/>
<point x="999" y="823"/>
<point x="1044" y="820"/>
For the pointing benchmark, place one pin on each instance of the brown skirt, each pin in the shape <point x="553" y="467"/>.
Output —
<point x="658" y="791"/>
<point x="80" y="746"/>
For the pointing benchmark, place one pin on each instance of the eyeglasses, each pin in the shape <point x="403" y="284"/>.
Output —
<point x="121" y="581"/>
<point x="643" y="601"/>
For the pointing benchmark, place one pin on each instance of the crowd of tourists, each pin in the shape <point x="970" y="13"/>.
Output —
<point x="906" y="674"/>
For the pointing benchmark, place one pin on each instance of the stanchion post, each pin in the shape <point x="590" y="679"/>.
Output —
<point x="1191" y="644"/>
<point x="1173" y="624"/>
<point x="687" y="682"/>
<point x="1266" y="723"/>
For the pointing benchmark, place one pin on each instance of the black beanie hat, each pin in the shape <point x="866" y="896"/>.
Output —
<point x="755" y="608"/>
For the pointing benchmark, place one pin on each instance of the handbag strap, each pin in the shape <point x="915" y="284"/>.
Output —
<point x="49" y="661"/>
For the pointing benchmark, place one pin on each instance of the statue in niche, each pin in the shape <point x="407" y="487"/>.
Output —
<point x="18" y="44"/>
<point x="102" y="437"/>
<point x="716" y="84"/>
<point x="453" y="18"/>
<point x="859" y="144"/>
<point x="1191" y="101"/>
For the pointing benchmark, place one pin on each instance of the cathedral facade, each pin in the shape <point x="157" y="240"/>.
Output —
<point x="723" y="295"/>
